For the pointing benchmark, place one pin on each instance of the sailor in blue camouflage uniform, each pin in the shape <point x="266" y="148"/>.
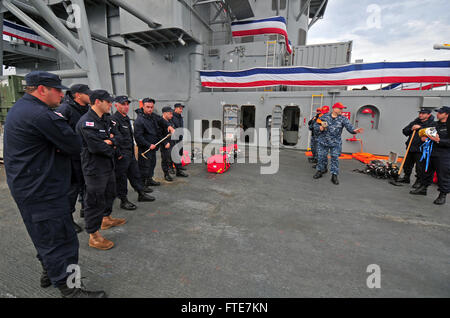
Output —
<point x="329" y="140"/>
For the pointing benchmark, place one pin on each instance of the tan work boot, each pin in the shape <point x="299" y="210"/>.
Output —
<point x="109" y="222"/>
<point x="98" y="241"/>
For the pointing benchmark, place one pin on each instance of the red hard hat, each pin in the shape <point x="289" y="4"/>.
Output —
<point x="339" y="105"/>
<point x="325" y="109"/>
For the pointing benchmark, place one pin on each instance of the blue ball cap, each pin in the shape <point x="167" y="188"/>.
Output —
<point x="37" y="78"/>
<point x="101" y="95"/>
<point x="122" y="99"/>
<point x="444" y="109"/>
<point x="167" y="109"/>
<point x="425" y="111"/>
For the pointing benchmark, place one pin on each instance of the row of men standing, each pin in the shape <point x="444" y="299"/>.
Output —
<point x="53" y="154"/>
<point x="439" y="161"/>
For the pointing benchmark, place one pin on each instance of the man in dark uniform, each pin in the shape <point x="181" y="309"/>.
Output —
<point x="126" y="164"/>
<point x="166" y="151"/>
<point x="178" y="122"/>
<point x="424" y="120"/>
<point x="76" y="104"/>
<point x="147" y="133"/>
<point x="98" y="151"/>
<point x="440" y="159"/>
<point x="38" y="144"/>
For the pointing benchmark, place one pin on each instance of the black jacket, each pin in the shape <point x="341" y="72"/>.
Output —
<point x="97" y="157"/>
<point x="443" y="147"/>
<point x="73" y="112"/>
<point x="417" y="142"/>
<point x="178" y="122"/>
<point x="312" y="122"/>
<point x="38" y="143"/>
<point x="124" y="135"/>
<point x="148" y="130"/>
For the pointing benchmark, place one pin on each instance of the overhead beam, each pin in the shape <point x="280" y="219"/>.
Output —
<point x="138" y="14"/>
<point x="303" y="9"/>
<point x="56" y="24"/>
<point x="95" y="36"/>
<point x="29" y="51"/>
<point x="315" y="18"/>
<point x="84" y="33"/>
<point x="199" y="17"/>
<point x="40" y="30"/>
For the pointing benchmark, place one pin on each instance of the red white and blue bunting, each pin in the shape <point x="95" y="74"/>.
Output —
<point x="24" y="33"/>
<point x="354" y="74"/>
<point x="274" y="25"/>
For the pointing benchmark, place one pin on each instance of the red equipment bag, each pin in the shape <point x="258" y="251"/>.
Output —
<point x="185" y="159"/>
<point x="218" y="164"/>
<point x="230" y="149"/>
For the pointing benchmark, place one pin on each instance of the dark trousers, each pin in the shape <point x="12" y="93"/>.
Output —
<point x="127" y="169"/>
<point x="49" y="224"/>
<point x="166" y="159"/>
<point x="147" y="166"/>
<point x="99" y="198"/>
<point x="76" y="185"/>
<point x="413" y="158"/>
<point x="314" y="146"/>
<point x="441" y="165"/>
<point x="178" y="164"/>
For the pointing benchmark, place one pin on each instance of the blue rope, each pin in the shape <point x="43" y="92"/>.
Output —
<point x="426" y="148"/>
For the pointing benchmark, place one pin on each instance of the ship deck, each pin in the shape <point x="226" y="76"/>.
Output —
<point x="242" y="234"/>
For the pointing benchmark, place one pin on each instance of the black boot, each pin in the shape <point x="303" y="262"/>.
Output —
<point x="168" y="177"/>
<point x="181" y="174"/>
<point x="152" y="183"/>
<point x="441" y="199"/>
<point x="77" y="228"/>
<point x="67" y="292"/>
<point x="405" y="179"/>
<point x="144" y="197"/>
<point x="147" y="189"/>
<point x="45" y="280"/>
<point x="127" y="205"/>
<point x="334" y="179"/>
<point x="416" y="184"/>
<point x="171" y="170"/>
<point x="419" y="191"/>
<point x="318" y="175"/>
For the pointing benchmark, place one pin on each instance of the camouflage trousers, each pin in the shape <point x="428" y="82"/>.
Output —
<point x="314" y="146"/>
<point x="322" y="153"/>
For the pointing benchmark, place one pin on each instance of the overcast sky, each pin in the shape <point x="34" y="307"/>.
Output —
<point x="400" y="30"/>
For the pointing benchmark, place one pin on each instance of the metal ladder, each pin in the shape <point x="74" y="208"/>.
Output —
<point x="117" y="56"/>
<point x="270" y="53"/>
<point x="314" y="105"/>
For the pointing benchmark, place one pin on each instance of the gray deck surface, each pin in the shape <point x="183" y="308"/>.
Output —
<point x="243" y="234"/>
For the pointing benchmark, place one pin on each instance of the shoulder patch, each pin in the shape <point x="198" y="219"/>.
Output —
<point x="89" y="124"/>
<point x="59" y="114"/>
